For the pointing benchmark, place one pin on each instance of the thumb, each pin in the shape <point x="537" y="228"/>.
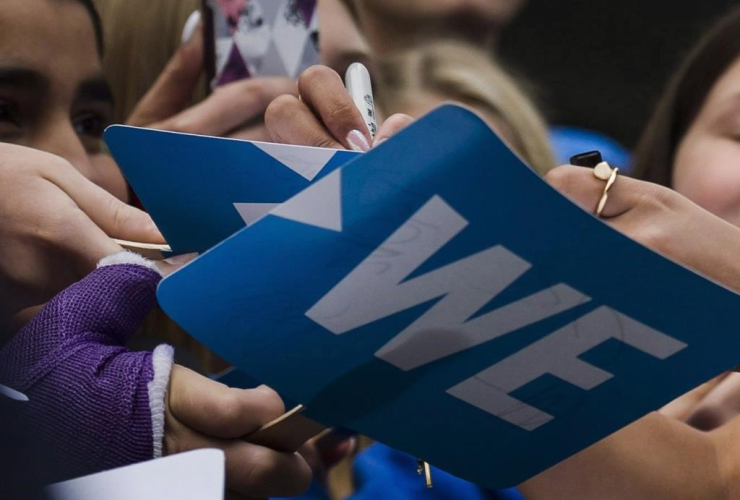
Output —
<point x="392" y="126"/>
<point x="171" y="92"/>
<point x="106" y="307"/>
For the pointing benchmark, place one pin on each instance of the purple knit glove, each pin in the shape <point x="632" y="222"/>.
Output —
<point x="95" y="404"/>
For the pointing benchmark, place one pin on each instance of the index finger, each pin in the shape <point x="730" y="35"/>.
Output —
<point x="216" y="410"/>
<point x="116" y="218"/>
<point x="585" y="190"/>
<point x="229" y="107"/>
<point x="69" y="248"/>
<point x="322" y="90"/>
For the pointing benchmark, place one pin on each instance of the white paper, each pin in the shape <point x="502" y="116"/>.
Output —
<point x="196" y="475"/>
<point x="7" y="392"/>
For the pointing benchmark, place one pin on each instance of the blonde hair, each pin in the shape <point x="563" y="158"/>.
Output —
<point x="140" y="38"/>
<point x="459" y="72"/>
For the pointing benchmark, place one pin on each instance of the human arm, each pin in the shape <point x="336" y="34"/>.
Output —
<point x="97" y="405"/>
<point x="234" y="110"/>
<point x="55" y="225"/>
<point x="659" y="456"/>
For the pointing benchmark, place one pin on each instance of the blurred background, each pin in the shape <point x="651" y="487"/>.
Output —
<point x="601" y="64"/>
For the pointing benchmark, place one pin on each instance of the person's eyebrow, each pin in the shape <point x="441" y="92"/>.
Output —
<point x="26" y="79"/>
<point x="95" y="89"/>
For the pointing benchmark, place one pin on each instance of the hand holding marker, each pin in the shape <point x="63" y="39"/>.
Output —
<point x="360" y="90"/>
<point x="331" y="113"/>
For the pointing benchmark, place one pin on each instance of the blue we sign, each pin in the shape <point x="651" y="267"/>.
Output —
<point x="379" y="288"/>
<point x="437" y="295"/>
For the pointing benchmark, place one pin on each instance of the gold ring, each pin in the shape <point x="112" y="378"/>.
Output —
<point x="604" y="172"/>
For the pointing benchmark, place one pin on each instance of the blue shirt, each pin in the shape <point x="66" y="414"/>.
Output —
<point x="381" y="472"/>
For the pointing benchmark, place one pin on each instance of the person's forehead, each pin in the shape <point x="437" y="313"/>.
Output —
<point x="53" y="37"/>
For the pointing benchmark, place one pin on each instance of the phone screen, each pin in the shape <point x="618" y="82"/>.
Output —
<point x="248" y="38"/>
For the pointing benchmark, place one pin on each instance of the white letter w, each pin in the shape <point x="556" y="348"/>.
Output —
<point x="379" y="288"/>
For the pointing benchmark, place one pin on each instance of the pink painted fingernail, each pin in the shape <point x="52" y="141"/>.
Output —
<point x="191" y="25"/>
<point x="357" y="141"/>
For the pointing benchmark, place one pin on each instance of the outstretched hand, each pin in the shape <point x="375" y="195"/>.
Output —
<point x="235" y="110"/>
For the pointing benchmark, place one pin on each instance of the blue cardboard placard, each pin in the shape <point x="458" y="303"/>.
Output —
<point x="438" y="296"/>
<point x="200" y="190"/>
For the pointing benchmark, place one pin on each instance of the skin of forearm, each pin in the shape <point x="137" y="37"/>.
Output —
<point x="655" y="458"/>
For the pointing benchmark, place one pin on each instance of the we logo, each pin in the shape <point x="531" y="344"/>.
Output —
<point x="379" y="287"/>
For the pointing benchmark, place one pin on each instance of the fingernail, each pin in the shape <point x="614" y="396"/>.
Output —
<point x="190" y="26"/>
<point x="357" y="141"/>
<point x="184" y="258"/>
